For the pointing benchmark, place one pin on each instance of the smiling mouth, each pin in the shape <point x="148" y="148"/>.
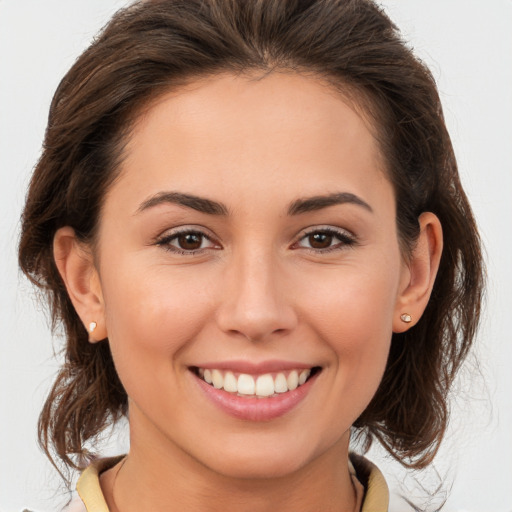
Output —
<point x="259" y="386"/>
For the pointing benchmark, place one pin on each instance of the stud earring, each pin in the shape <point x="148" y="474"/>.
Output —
<point x="406" y="318"/>
<point x="92" y="326"/>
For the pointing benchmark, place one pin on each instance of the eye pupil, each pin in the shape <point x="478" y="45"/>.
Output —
<point x="320" y="240"/>
<point x="190" y="241"/>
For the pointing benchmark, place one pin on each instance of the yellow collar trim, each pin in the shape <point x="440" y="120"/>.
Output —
<point x="88" y="485"/>
<point x="376" y="498"/>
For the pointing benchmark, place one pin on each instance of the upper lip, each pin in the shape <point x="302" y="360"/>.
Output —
<point x="255" y="368"/>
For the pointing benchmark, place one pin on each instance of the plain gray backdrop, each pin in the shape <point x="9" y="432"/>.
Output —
<point x="468" y="46"/>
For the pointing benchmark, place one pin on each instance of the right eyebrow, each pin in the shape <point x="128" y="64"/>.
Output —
<point x="201" y="204"/>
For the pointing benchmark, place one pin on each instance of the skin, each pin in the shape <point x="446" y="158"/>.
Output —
<point x="255" y="290"/>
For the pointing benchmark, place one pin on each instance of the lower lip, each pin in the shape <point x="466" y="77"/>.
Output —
<point x="253" y="408"/>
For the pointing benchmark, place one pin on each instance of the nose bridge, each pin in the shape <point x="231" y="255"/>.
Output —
<point x="255" y="300"/>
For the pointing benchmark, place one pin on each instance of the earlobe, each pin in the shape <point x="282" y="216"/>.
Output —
<point x="421" y="273"/>
<point x="75" y="264"/>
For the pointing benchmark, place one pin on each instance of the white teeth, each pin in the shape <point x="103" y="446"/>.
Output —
<point x="263" y="386"/>
<point x="230" y="383"/>
<point x="280" y="384"/>
<point x="303" y="377"/>
<point x="217" y="379"/>
<point x="246" y="384"/>
<point x="293" y="380"/>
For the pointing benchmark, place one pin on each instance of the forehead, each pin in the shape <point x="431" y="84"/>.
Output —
<point x="265" y="98"/>
<point x="277" y="130"/>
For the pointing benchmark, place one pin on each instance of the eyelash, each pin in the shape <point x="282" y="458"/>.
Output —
<point x="166" y="240"/>
<point x="345" y="240"/>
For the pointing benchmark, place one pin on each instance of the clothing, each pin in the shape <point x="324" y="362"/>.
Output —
<point x="375" y="499"/>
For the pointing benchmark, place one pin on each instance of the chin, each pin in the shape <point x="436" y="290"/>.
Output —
<point x="257" y="462"/>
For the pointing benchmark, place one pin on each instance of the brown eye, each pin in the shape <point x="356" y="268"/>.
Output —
<point x="189" y="241"/>
<point x="325" y="240"/>
<point x="320" y="240"/>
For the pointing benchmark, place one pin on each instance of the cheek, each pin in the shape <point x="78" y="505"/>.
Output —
<point x="353" y="317"/>
<point x="351" y="308"/>
<point x="151" y="318"/>
<point x="152" y="315"/>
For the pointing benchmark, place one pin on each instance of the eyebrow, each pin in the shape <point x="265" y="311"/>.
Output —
<point x="200" y="204"/>
<point x="297" y="207"/>
<point x="319" y="202"/>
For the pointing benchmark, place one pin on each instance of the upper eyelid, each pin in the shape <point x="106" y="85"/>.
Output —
<point x="332" y="229"/>
<point x="171" y="232"/>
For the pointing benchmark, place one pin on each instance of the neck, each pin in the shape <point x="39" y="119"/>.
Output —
<point x="161" y="477"/>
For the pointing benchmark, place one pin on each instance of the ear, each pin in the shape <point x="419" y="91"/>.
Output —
<point x="419" y="273"/>
<point x="75" y="264"/>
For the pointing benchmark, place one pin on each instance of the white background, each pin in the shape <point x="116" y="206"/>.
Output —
<point x="468" y="45"/>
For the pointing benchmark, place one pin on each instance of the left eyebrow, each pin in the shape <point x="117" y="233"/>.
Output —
<point x="310" y="204"/>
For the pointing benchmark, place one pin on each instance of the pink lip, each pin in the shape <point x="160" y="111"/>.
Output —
<point x="253" y="408"/>
<point x="254" y="368"/>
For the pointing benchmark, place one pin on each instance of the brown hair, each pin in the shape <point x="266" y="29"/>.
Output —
<point x="154" y="45"/>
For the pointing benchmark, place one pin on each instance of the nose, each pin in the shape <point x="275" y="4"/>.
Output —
<point x="255" y="303"/>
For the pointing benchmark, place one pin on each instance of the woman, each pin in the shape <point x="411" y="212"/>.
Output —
<point x="239" y="217"/>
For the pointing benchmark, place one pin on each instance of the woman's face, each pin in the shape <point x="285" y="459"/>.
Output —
<point x="250" y="241"/>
